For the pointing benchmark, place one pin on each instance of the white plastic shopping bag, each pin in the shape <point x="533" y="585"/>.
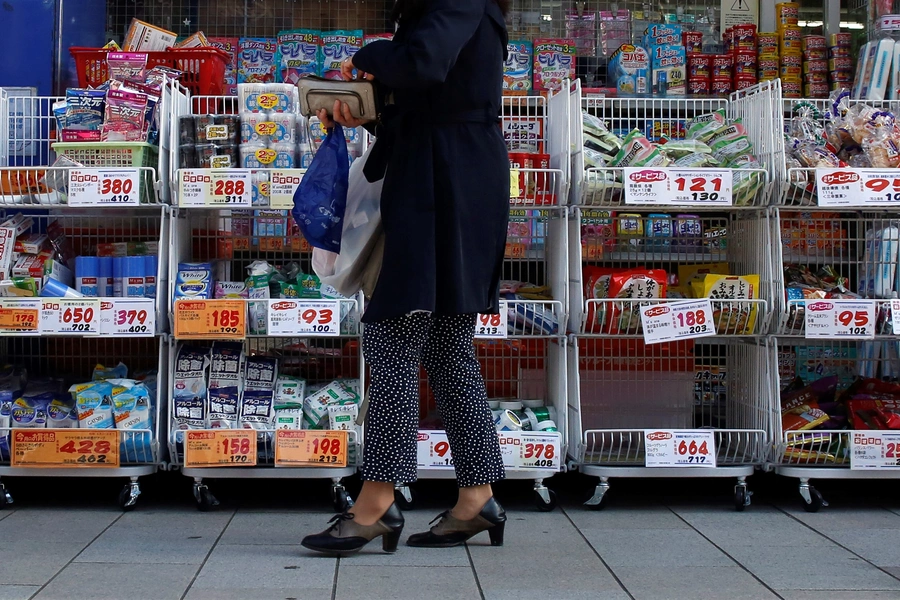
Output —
<point x="362" y="243"/>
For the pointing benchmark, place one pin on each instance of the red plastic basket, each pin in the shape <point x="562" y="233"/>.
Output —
<point x="204" y="68"/>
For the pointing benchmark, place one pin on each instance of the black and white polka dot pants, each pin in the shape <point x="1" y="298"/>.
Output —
<point x="393" y="350"/>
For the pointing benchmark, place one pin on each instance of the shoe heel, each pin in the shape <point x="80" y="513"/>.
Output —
<point x="496" y="533"/>
<point x="390" y="540"/>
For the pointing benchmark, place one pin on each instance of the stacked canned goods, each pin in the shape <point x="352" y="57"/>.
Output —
<point x="208" y="141"/>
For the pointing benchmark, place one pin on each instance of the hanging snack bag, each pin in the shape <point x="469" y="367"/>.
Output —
<point x="298" y="54"/>
<point x="338" y="46"/>
<point x="703" y="127"/>
<point x="256" y="60"/>
<point x="554" y="63"/>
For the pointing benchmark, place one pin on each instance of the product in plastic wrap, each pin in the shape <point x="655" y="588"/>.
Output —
<point x="702" y="127"/>
<point x="93" y="402"/>
<point x="733" y="318"/>
<point x="342" y="416"/>
<point x="101" y="373"/>
<point x="61" y="414"/>
<point x="131" y="407"/>
<point x="125" y="116"/>
<point x="298" y="54"/>
<point x="879" y="268"/>
<point x="127" y="66"/>
<point x="190" y="388"/>
<point x="226" y="366"/>
<point x="315" y="406"/>
<point x="338" y="46"/>
<point x="676" y="149"/>
<point x="194" y="281"/>
<point x="85" y="109"/>
<point x="800" y="410"/>
<point x="638" y="151"/>
<point x="30" y="410"/>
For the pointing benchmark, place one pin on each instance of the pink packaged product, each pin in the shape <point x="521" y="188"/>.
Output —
<point x="375" y="37"/>
<point x="127" y="66"/>
<point x="125" y="118"/>
<point x="338" y="46"/>
<point x="554" y="62"/>
<point x="256" y="60"/>
<point x="229" y="45"/>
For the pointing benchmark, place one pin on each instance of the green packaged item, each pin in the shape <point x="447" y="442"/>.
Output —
<point x="694" y="161"/>
<point x="638" y="151"/>
<point x="703" y="127"/>
<point x="727" y="148"/>
<point x="675" y="149"/>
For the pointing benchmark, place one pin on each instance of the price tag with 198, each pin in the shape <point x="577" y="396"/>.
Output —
<point x="494" y="325"/>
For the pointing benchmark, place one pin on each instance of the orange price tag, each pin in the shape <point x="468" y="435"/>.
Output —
<point x="310" y="448"/>
<point x="77" y="448"/>
<point x="220" y="448"/>
<point x="210" y="319"/>
<point x="19" y="316"/>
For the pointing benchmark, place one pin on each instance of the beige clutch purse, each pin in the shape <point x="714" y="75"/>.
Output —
<point x="317" y="93"/>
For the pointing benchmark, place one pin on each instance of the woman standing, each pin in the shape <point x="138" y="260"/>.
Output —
<point x="444" y="208"/>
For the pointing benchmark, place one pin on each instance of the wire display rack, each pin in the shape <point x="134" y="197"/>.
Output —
<point x="622" y="389"/>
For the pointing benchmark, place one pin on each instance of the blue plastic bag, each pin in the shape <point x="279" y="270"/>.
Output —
<point x="321" y="198"/>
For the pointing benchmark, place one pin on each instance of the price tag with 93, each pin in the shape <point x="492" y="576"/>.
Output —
<point x="70" y="316"/>
<point x="104" y="187"/>
<point x="128" y="317"/>
<point x="679" y="448"/>
<point x="840" y="319"/>
<point x="310" y="448"/>
<point x="492" y="326"/>
<point x="433" y="450"/>
<point x="304" y="317"/>
<point x="670" y="321"/>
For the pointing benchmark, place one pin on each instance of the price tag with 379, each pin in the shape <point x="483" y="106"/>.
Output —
<point x="128" y="317"/>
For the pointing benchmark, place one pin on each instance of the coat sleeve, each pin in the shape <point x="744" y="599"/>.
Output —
<point x="429" y="51"/>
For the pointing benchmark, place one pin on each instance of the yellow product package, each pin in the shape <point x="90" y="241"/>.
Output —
<point x="687" y="273"/>
<point x="731" y="318"/>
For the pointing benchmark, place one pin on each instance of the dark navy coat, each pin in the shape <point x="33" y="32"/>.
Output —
<point x="445" y="202"/>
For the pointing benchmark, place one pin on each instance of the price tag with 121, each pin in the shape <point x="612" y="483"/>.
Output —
<point x="683" y="187"/>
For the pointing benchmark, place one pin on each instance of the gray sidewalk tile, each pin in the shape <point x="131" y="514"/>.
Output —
<point x="671" y="548"/>
<point x="105" y="581"/>
<point x="845" y="517"/>
<point x="615" y="518"/>
<point x="54" y="525"/>
<point x="546" y="593"/>
<point x="416" y="521"/>
<point x="781" y="568"/>
<point x="404" y="583"/>
<point x="764" y="527"/>
<point x="692" y="583"/>
<point x="272" y="529"/>
<point x="249" y="569"/>
<point x="879" y="546"/>
<point x="26" y="562"/>
<point x="158" y="537"/>
<point x="837" y="595"/>
<point x="17" y="592"/>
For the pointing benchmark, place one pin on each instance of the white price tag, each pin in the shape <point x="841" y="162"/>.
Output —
<point x="433" y="450"/>
<point x="282" y="185"/>
<point x="679" y="448"/>
<point x="683" y="187"/>
<point x="492" y="326"/>
<point x="70" y="316"/>
<point x="536" y="450"/>
<point x="858" y="187"/>
<point x="840" y="319"/>
<point x="304" y="317"/>
<point x="128" y="317"/>
<point x="873" y="450"/>
<point x="889" y="23"/>
<point x="895" y="316"/>
<point x="230" y="188"/>
<point x="682" y="320"/>
<point x="104" y="187"/>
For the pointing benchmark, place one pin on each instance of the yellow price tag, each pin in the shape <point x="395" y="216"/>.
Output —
<point x="210" y="319"/>
<point x="220" y="448"/>
<point x="310" y="448"/>
<point x="68" y="448"/>
<point x="514" y="191"/>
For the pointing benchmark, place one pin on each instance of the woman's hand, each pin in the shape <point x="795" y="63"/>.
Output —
<point x="341" y="115"/>
<point x="347" y="68"/>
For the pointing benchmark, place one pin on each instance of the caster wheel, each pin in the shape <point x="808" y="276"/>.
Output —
<point x="128" y="497"/>
<point x="817" y="501"/>
<point x="543" y="505"/>
<point x="205" y="499"/>
<point x="740" y="499"/>
<point x="599" y="506"/>
<point x="341" y="500"/>
<point x="5" y="499"/>
<point x="405" y="501"/>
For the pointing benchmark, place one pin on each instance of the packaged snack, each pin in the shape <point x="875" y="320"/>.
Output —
<point x="338" y="46"/>
<point x="688" y="231"/>
<point x="730" y="318"/>
<point x="256" y="60"/>
<point x="800" y="410"/>
<point x="635" y="284"/>
<point x="517" y="74"/>
<point x="298" y="54"/>
<point x="554" y="63"/>
<point x="127" y="66"/>
<point x="658" y="231"/>
<point x="630" y="231"/>
<point x="125" y="117"/>
<point x="629" y="69"/>
<point x="638" y="151"/>
<point x="675" y="149"/>
<point x="704" y="126"/>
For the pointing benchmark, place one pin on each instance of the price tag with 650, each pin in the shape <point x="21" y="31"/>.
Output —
<point x="104" y="187"/>
<point x="70" y="316"/>
<point x="683" y="187"/>
<point x="304" y="317"/>
<point x="841" y="319"/>
<point x="230" y="188"/>
<point x="671" y="321"/>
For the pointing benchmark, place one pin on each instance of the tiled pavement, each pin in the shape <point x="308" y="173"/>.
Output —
<point x="641" y="547"/>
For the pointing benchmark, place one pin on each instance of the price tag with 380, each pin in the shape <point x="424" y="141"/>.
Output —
<point x="104" y="187"/>
<point x="70" y="316"/>
<point x="841" y="319"/>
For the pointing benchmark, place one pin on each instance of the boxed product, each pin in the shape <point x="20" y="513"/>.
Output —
<point x="256" y="60"/>
<point x="554" y="63"/>
<point x="298" y="54"/>
<point x="144" y="37"/>
<point x="669" y="68"/>
<point x="629" y="69"/>
<point x="517" y="74"/>
<point x="338" y="46"/>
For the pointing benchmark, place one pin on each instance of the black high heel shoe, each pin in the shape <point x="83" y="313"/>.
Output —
<point x="346" y="536"/>
<point x="451" y="531"/>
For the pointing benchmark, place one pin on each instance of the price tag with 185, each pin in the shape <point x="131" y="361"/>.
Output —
<point x="492" y="326"/>
<point x="679" y="448"/>
<point x="684" y="320"/>
<point x="210" y="319"/>
<point x="304" y="317"/>
<point x="310" y="448"/>
<point x="104" y="187"/>
<point x="684" y="187"/>
<point x="70" y="316"/>
<point x="128" y="317"/>
<point x="841" y="319"/>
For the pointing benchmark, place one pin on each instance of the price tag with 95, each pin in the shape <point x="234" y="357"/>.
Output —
<point x="104" y="187"/>
<point x="304" y="317"/>
<point x="433" y="450"/>
<point x="840" y="319"/>
<point x="70" y="316"/>
<point x="128" y="317"/>
<point x="679" y="448"/>
<point x="492" y="326"/>
<point x="670" y="321"/>
<point x="857" y="187"/>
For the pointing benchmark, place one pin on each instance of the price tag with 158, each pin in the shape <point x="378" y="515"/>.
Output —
<point x="104" y="187"/>
<point x="128" y="317"/>
<point x="70" y="316"/>
<point x="220" y="448"/>
<point x="679" y="448"/>
<point x="304" y="317"/>
<point x="840" y="319"/>
<point x="668" y="321"/>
